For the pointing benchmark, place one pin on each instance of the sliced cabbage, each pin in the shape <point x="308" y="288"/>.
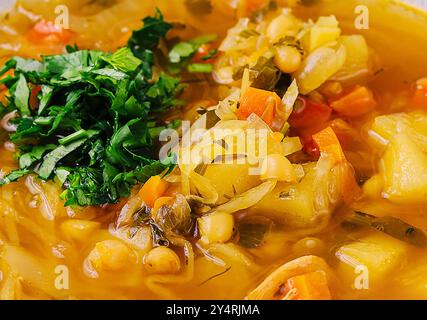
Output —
<point x="357" y="61"/>
<point x="319" y="66"/>
<point x="248" y="198"/>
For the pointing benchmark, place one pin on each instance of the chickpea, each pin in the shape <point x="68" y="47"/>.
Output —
<point x="216" y="227"/>
<point x="309" y="246"/>
<point x="277" y="166"/>
<point x="287" y="59"/>
<point x="162" y="260"/>
<point x="110" y="255"/>
<point x="283" y="25"/>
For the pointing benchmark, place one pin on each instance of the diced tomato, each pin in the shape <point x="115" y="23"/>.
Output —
<point x="204" y="51"/>
<point x="309" y="114"/>
<point x="310" y="147"/>
<point x="47" y="32"/>
<point x="419" y="98"/>
<point x="34" y="102"/>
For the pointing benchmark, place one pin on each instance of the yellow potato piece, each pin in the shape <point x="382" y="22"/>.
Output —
<point x="405" y="171"/>
<point x="377" y="255"/>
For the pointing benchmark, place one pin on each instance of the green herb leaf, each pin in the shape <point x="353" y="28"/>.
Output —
<point x="96" y="126"/>
<point x="148" y="37"/>
<point x="22" y="95"/>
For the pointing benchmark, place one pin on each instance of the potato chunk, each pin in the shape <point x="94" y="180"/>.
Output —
<point x="405" y="171"/>
<point x="376" y="253"/>
<point x="402" y="177"/>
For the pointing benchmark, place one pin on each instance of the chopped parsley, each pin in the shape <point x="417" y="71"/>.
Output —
<point x="95" y="124"/>
<point x="180" y="55"/>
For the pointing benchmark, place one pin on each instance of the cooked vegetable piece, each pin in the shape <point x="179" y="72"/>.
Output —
<point x="265" y="104"/>
<point x="405" y="171"/>
<point x="293" y="205"/>
<point x="277" y="166"/>
<point x="419" y="98"/>
<point x="357" y="63"/>
<point x="309" y="286"/>
<point x="152" y="190"/>
<point x="319" y="66"/>
<point x="185" y="50"/>
<point x="287" y="59"/>
<point x="160" y="202"/>
<point x="379" y="253"/>
<point x="324" y="31"/>
<point x="403" y="167"/>
<point x="162" y="260"/>
<point x="308" y="114"/>
<point x="272" y="286"/>
<point x="216" y="227"/>
<point x="329" y="144"/>
<point x="357" y="102"/>
<point x="173" y="215"/>
<point x="283" y="25"/>
<point x="110" y="255"/>
<point x="230" y="179"/>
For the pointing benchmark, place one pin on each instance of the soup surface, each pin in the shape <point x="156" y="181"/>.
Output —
<point x="329" y="200"/>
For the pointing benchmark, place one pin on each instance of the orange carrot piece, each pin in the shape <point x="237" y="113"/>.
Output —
<point x="419" y="99"/>
<point x="328" y="143"/>
<point x="357" y="102"/>
<point x="153" y="189"/>
<point x="261" y="102"/>
<point x="47" y="32"/>
<point x="309" y="286"/>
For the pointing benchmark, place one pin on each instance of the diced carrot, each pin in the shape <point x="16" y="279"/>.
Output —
<point x="419" y="99"/>
<point x="350" y="190"/>
<point x="34" y="102"/>
<point x="309" y="286"/>
<point x="354" y="103"/>
<point x="47" y="32"/>
<point x="328" y="143"/>
<point x="153" y="189"/>
<point x="263" y="103"/>
<point x="345" y="133"/>
<point x="160" y="202"/>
